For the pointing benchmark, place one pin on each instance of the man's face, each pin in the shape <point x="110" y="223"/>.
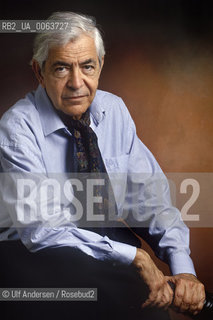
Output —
<point x="70" y="76"/>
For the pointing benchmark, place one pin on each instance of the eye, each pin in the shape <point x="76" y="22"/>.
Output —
<point x="88" y="68"/>
<point x="61" y="71"/>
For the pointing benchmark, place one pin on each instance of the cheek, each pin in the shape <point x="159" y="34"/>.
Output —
<point x="93" y="84"/>
<point x="55" y="88"/>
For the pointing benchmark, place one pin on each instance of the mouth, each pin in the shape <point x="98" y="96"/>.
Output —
<point x="73" y="97"/>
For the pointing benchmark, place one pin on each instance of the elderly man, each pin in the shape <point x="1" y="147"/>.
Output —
<point x="66" y="126"/>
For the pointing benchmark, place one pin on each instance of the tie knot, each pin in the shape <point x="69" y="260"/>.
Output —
<point x="82" y="123"/>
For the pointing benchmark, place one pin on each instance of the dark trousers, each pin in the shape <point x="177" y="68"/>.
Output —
<point x="120" y="290"/>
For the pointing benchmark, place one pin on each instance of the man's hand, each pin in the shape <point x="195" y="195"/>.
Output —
<point x="189" y="293"/>
<point x="160" y="294"/>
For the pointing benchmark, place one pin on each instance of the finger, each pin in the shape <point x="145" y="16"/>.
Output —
<point x="193" y="302"/>
<point x="197" y="298"/>
<point x="166" y="297"/>
<point x="183" y="301"/>
<point x="160" y="296"/>
<point x="184" y="307"/>
<point x="147" y="303"/>
<point x="178" y="297"/>
<point x="170" y="278"/>
<point x="193" y="309"/>
<point x="197" y="307"/>
<point x="200" y="306"/>
<point x="159" y="299"/>
<point x="153" y="299"/>
<point x="187" y="301"/>
<point x="163" y="298"/>
<point x="164" y="303"/>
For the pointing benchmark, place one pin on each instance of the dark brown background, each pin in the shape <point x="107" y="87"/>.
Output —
<point x="160" y="61"/>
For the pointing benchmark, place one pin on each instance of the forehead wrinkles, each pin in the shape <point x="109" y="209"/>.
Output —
<point x="75" y="50"/>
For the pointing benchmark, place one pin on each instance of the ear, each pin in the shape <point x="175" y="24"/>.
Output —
<point x="101" y="66"/>
<point x="38" y="73"/>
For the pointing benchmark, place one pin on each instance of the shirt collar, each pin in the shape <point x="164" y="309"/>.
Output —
<point x="50" y="120"/>
<point x="97" y="110"/>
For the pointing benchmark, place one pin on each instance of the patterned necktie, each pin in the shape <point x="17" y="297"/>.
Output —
<point x="88" y="159"/>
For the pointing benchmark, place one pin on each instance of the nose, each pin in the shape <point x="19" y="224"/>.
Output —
<point x="75" y="80"/>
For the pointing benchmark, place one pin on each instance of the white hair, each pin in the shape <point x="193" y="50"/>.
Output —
<point x="78" y="24"/>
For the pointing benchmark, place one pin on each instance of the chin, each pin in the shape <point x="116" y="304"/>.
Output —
<point x="75" y="111"/>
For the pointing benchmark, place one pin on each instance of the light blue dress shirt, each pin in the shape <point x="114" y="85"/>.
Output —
<point x="35" y="142"/>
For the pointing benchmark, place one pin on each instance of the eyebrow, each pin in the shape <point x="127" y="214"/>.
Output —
<point x="88" y="61"/>
<point x="63" y="63"/>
